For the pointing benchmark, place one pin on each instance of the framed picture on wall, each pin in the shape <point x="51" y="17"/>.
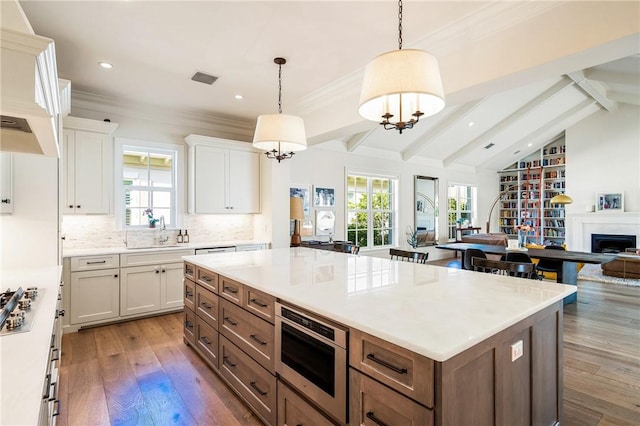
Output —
<point x="610" y="202"/>
<point x="302" y="192"/>
<point x="306" y="228"/>
<point x="325" y="222"/>
<point x="324" y="197"/>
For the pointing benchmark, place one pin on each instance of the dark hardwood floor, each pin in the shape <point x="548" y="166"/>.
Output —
<point x="141" y="372"/>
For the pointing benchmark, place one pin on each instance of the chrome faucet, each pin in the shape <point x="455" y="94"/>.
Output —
<point x="163" y="227"/>
<point x="126" y="240"/>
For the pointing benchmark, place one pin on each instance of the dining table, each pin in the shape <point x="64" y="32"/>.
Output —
<point x="568" y="270"/>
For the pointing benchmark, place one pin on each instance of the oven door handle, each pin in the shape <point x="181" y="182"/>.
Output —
<point x="310" y="333"/>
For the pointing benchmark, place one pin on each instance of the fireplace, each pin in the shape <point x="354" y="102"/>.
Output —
<point x="611" y="243"/>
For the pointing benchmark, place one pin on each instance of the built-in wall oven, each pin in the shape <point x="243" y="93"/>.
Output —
<point x="311" y="355"/>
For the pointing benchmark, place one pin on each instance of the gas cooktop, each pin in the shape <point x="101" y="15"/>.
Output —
<point x="17" y="310"/>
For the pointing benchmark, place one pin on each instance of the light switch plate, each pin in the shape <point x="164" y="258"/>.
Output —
<point x="516" y="350"/>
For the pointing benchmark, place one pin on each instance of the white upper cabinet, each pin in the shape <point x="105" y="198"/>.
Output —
<point x="87" y="172"/>
<point x="6" y="183"/>
<point x="224" y="176"/>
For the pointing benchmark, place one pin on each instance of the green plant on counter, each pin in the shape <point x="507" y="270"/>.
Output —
<point x="412" y="236"/>
<point x="152" y="220"/>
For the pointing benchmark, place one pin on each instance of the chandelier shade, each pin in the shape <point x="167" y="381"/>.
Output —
<point x="280" y="132"/>
<point x="399" y="84"/>
<point x="561" y="199"/>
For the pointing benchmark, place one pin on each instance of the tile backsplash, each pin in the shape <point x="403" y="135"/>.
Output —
<point x="100" y="231"/>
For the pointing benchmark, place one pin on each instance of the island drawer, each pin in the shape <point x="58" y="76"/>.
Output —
<point x="189" y="326"/>
<point x="373" y="403"/>
<point x="190" y="271"/>
<point x="207" y="306"/>
<point x="89" y="263"/>
<point x="189" y="294"/>
<point x="253" y="335"/>
<point x="260" y="304"/>
<point x="207" y="279"/>
<point x="293" y="410"/>
<point x="399" y="368"/>
<point x="249" y="379"/>
<point x="153" y="257"/>
<point x="232" y="290"/>
<point x="207" y="341"/>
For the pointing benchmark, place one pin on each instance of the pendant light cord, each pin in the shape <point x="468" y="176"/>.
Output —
<point x="279" y="88"/>
<point x="399" y="24"/>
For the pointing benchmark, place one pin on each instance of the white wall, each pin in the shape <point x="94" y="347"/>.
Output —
<point x="327" y="168"/>
<point x="30" y="234"/>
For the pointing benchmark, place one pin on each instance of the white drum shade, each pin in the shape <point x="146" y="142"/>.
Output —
<point x="282" y="132"/>
<point x="401" y="82"/>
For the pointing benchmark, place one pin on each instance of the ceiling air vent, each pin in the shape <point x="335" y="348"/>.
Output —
<point x="516" y="152"/>
<point x="489" y="146"/>
<point x="201" y="77"/>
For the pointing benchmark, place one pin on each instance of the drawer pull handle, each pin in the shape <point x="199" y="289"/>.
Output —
<point x="187" y="293"/>
<point x="188" y="324"/>
<point x="6" y="201"/>
<point x="398" y="370"/>
<point x="374" y="419"/>
<point x="254" y="337"/>
<point x="258" y="302"/>
<point x="47" y="387"/>
<point x="97" y="262"/>
<point x="225" y="361"/>
<point x="230" y="321"/>
<point x="231" y="290"/>
<point x="206" y="305"/>
<point x="260" y="391"/>
<point x="206" y="278"/>
<point x="188" y="271"/>
<point x="206" y="340"/>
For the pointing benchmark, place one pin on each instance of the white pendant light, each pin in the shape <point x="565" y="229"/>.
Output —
<point x="401" y="86"/>
<point x="280" y="135"/>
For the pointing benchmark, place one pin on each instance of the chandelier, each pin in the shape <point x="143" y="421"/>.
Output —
<point x="401" y="86"/>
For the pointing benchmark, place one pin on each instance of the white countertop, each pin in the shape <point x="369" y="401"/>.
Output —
<point x="23" y="356"/>
<point x="434" y="311"/>
<point x="123" y="249"/>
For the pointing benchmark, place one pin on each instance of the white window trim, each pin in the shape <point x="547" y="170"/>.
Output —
<point x="395" y="213"/>
<point x="117" y="178"/>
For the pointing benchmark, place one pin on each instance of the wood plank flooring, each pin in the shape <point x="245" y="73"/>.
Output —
<point x="141" y="372"/>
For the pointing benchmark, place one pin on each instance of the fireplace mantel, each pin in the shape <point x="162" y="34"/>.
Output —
<point x="581" y="226"/>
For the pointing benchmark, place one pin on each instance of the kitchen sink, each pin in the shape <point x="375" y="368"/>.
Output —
<point x="153" y="247"/>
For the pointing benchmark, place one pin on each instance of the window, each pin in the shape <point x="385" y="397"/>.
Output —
<point x="147" y="181"/>
<point x="462" y="206"/>
<point x="371" y="210"/>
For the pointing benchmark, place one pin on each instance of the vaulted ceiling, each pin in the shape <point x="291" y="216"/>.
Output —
<point x="516" y="74"/>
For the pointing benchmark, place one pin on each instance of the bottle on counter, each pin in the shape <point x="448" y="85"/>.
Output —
<point x="185" y="237"/>
<point x="180" y="239"/>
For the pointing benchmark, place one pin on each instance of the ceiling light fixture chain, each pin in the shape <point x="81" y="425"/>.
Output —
<point x="279" y="134"/>
<point x="401" y="85"/>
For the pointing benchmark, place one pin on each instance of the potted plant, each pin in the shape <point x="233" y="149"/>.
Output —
<point x="412" y="236"/>
<point x="152" y="220"/>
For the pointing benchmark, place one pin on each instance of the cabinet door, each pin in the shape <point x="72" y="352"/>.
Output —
<point x="140" y="289"/>
<point x="172" y="286"/>
<point x="94" y="295"/>
<point x="6" y="183"/>
<point x="92" y="172"/>
<point x="210" y="180"/>
<point x="244" y="182"/>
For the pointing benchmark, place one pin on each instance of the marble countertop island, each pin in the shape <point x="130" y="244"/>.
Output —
<point x="431" y="310"/>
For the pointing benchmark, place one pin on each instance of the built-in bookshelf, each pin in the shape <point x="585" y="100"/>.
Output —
<point x="527" y="187"/>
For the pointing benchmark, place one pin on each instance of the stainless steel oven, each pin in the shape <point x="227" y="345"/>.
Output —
<point x="311" y="355"/>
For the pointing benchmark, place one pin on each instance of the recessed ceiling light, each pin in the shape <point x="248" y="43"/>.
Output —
<point x="471" y="123"/>
<point x="530" y="144"/>
<point x="106" y="65"/>
<point x="238" y="96"/>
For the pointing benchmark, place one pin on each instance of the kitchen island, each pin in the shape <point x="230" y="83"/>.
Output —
<point x="488" y="348"/>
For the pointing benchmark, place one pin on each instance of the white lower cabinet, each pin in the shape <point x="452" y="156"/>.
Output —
<point x="95" y="295"/>
<point x="150" y="288"/>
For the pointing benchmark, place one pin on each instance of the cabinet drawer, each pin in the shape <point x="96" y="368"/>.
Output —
<point x="153" y="257"/>
<point x="207" y="306"/>
<point x="260" y="304"/>
<point x="208" y="279"/>
<point x="207" y="341"/>
<point x="293" y="410"/>
<point x="189" y="326"/>
<point x="231" y="290"/>
<point x="254" y="383"/>
<point x="189" y="294"/>
<point x="399" y="368"/>
<point x="253" y="335"/>
<point x="190" y="271"/>
<point x="373" y="403"/>
<point x="88" y="263"/>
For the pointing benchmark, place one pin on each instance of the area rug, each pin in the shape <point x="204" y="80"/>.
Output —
<point x="594" y="273"/>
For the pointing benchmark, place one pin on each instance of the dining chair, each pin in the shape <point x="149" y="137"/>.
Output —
<point x="503" y="267"/>
<point x="408" y="256"/>
<point x="549" y="265"/>
<point x="521" y="257"/>
<point x="470" y="253"/>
